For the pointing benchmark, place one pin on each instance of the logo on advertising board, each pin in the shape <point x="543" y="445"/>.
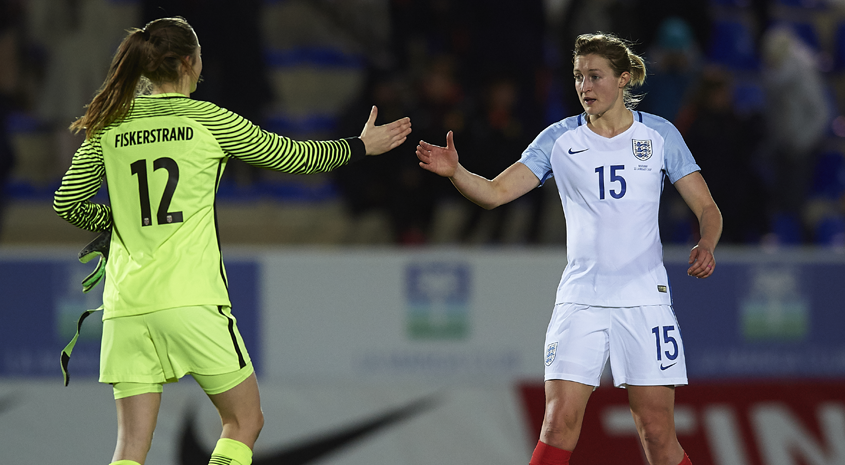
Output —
<point x="437" y="296"/>
<point x="749" y="423"/>
<point x="775" y="309"/>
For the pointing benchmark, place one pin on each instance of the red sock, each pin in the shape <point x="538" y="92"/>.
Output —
<point x="545" y="454"/>
<point x="686" y="460"/>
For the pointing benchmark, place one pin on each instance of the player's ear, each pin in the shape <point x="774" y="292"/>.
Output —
<point x="624" y="79"/>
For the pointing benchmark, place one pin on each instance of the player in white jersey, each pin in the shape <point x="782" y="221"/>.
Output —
<point x="614" y="300"/>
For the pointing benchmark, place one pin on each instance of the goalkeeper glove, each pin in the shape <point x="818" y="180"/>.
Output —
<point x="98" y="246"/>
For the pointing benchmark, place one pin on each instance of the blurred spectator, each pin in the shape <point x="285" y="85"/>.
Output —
<point x="675" y="63"/>
<point x="724" y="143"/>
<point x="440" y="108"/>
<point x="11" y="18"/>
<point x="496" y="138"/>
<point x="797" y="114"/>
<point x="369" y="185"/>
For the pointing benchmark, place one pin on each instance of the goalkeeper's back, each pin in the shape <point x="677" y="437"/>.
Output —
<point x="163" y="162"/>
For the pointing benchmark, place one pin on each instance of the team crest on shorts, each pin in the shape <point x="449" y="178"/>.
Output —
<point x="551" y="351"/>
<point x="642" y="149"/>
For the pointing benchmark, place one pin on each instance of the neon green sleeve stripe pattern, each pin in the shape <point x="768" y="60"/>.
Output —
<point x="240" y="138"/>
<point x="236" y="136"/>
<point x="80" y="183"/>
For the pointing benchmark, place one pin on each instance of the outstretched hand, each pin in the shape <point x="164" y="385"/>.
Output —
<point x="702" y="262"/>
<point x="439" y="160"/>
<point x="380" y="139"/>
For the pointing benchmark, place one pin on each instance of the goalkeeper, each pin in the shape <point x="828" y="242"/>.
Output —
<point x="166" y="304"/>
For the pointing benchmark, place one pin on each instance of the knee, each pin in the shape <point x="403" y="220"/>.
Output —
<point x="248" y="423"/>
<point x="254" y="422"/>
<point x="259" y="423"/>
<point x="561" y="421"/>
<point x="656" y="431"/>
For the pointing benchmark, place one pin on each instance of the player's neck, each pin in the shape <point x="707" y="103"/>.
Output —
<point x="182" y="87"/>
<point x="612" y="122"/>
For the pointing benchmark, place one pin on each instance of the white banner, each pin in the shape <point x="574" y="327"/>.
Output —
<point x="329" y="424"/>
<point x="443" y="314"/>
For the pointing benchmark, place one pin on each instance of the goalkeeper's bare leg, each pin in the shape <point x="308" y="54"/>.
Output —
<point x="136" y="421"/>
<point x="240" y="413"/>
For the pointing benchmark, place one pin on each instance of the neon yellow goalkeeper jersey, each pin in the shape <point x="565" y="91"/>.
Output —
<point x="163" y="164"/>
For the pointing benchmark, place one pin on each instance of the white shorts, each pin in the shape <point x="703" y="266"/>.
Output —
<point x="643" y="344"/>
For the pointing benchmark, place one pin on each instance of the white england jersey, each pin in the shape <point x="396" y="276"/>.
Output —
<point x="610" y="189"/>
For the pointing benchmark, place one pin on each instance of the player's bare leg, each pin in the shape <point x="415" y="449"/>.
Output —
<point x="136" y="421"/>
<point x="240" y="411"/>
<point x="566" y="402"/>
<point x="653" y="408"/>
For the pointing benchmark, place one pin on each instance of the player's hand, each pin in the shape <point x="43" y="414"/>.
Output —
<point x="702" y="262"/>
<point x="439" y="160"/>
<point x="380" y="139"/>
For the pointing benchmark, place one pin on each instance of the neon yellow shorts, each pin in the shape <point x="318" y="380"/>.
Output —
<point x="163" y="346"/>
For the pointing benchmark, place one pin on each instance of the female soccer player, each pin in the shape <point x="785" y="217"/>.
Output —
<point x="166" y="304"/>
<point x="613" y="300"/>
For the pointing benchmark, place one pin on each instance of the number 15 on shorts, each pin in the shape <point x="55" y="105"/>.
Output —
<point x="663" y="333"/>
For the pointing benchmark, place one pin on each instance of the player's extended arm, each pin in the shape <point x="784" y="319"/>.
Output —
<point x="510" y="184"/>
<point x="695" y="193"/>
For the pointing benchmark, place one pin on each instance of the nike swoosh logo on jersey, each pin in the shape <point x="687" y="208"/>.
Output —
<point x="666" y="367"/>
<point x="577" y="151"/>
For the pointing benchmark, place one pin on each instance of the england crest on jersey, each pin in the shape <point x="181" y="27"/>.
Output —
<point x="642" y="149"/>
<point x="551" y="351"/>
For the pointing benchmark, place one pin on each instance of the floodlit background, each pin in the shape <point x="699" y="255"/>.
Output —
<point x="390" y="319"/>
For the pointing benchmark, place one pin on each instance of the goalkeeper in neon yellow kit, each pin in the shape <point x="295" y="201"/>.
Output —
<point x="166" y="304"/>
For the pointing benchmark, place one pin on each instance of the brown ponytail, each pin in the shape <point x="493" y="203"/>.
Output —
<point x="618" y="52"/>
<point x="157" y="53"/>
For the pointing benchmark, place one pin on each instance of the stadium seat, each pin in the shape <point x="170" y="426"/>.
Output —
<point x="806" y="4"/>
<point x="829" y="175"/>
<point x="831" y="231"/>
<point x="749" y="97"/>
<point x="787" y="228"/>
<point x="839" y="48"/>
<point x="732" y="45"/>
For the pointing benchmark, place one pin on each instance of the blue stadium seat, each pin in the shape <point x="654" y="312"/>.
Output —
<point x="839" y="48"/>
<point x="787" y="228"/>
<point x="831" y="231"/>
<point x="829" y="175"/>
<point x="749" y="97"/>
<point x="806" y="4"/>
<point x="732" y="45"/>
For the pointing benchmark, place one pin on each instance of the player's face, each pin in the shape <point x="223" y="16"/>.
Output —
<point x="598" y="89"/>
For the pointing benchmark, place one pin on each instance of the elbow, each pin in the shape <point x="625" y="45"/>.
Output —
<point x="62" y="212"/>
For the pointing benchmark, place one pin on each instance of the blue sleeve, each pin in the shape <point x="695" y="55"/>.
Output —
<point x="677" y="157"/>
<point x="537" y="157"/>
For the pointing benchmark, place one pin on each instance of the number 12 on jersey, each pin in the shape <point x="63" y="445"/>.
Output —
<point x="162" y="215"/>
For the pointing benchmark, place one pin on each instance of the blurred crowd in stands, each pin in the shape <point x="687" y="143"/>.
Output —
<point x="757" y="88"/>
